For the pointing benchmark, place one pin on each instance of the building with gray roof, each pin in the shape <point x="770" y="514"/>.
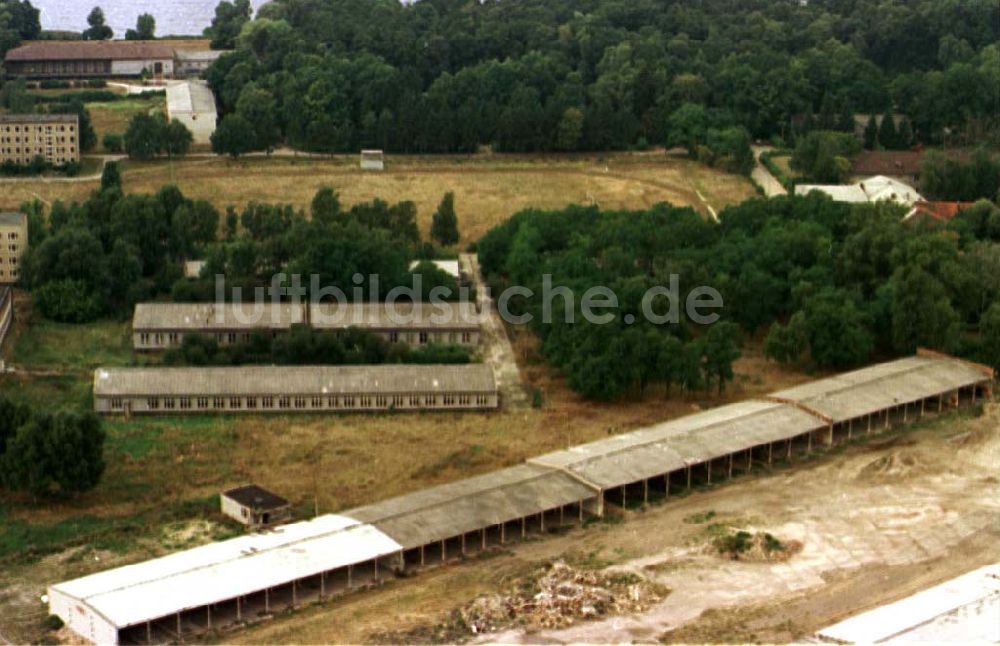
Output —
<point x="292" y="389"/>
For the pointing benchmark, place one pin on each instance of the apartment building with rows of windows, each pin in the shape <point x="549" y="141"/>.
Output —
<point x="55" y="137"/>
<point x="13" y="244"/>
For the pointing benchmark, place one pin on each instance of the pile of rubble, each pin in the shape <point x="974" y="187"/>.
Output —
<point x="559" y="595"/>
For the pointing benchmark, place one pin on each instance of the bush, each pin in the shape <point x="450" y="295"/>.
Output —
<point x="53" y="84"/>
<point x="113" y="142"/>
<point x="83" y="96"/>
<point x="52" y="623"/>
<point x="67" y="301"/>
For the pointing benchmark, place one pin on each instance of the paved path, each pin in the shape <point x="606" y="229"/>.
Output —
<point x="772" y="187"/>
<point x="497" y="350"/>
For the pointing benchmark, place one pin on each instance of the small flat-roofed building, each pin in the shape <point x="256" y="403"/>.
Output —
<point x="294" y="389"/>
<point x="372" y="160"/>
<point x="160" y="326"/>
<point x="255" y="506"/>
<point x="449" y="267"/>
<point x="89" y="58"/>
<point x="192" y="63"/>
<point x="193" y="104"/>
<point x="54" y="137"/>
<point x="13" y="245"/>
<point x="192" y="268"/>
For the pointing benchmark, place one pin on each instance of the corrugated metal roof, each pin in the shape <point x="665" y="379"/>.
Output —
<point x="161" y="587"/>
<point x="80" y="50"/>
<point x="468" y="505"/>
<point x="210" y="316"/>
<point x="873" y="389"/>
<point x="447" y="316"/>
<point x="293" y="380"/>
<point x="324" y="316"/>
<point x="650" y="452"/>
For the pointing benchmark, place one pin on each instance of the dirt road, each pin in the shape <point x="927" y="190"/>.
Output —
<point x="772" y="187"/>
<point x="497" y="350"/>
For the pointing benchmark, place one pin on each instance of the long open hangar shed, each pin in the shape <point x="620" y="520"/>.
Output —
<point x="225" y="584"/>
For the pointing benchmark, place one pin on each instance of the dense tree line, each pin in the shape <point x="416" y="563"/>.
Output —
<point x="523" y="75"/>
<point x="18" y="21"/>
<point x="303" y="345"/>
<point x="949" y="179"/>
<point x="835" y="285"/>
<point x="44" y="453"/>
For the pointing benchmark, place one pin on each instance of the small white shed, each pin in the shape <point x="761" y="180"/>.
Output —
<point x="372" y="160"/>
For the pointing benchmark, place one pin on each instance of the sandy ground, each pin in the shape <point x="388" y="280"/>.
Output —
<point x="877" y="522"/>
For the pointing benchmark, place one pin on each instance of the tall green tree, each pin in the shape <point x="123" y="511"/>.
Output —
<point x="98" y="29"/>
<point x="144" y="137"/>
<point x="325" y="207"/>
<point x="888" y="136"/>
<point x="444" y="226"/>
<point x="871" y="133"/>
<point x="177" y="139"/>
<point x="235" y="136"/>
<point x="60" y="453"/>
<point x="720" y="348"/>
<point x="145" y="28"/>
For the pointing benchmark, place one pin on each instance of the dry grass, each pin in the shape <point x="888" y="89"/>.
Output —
<point x="115" y="116"/>
<point x="487" y="189"/>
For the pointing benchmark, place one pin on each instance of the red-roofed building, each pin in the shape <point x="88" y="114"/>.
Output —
<point x="82" y="58"/>
<point x="938" y="211"/>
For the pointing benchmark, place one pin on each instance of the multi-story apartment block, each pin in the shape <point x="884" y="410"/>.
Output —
<point x="13" y="244"/>
<point x="55" y="137"/>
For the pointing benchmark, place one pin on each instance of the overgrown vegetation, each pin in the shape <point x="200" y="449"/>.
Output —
<point x="303" y="345"/>
<point x="836" y="285"/>
<point x="46" y="453"/>
<point x="101" y="256"/>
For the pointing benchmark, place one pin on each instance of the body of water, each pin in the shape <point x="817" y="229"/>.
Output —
<point x="173" y="17"/>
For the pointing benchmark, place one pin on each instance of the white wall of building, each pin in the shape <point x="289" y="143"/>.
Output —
<point x="81" y="619"/>
<point x="135" y="68"/>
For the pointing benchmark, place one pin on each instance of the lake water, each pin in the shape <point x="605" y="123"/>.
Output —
<point x="173" y="17"/>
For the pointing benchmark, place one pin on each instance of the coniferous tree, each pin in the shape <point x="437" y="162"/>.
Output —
<point x="444" y="227"/>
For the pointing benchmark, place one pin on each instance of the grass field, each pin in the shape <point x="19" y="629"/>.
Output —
<point x="487" y="189"/>
<point x="114" y="116"/>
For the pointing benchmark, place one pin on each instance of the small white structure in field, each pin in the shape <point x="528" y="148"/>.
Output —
<point x="449" y="267"/>
<point x="255" y="506"/>
<point x="372" y="160"/>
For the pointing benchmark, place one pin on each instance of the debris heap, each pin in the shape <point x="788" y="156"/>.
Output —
<point x="559" y="595"/>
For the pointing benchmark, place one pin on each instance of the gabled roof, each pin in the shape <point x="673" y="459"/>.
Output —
<point x="304" y="381"/>
<point x="210" y="573"/>
<point x="91" y="50"/>
<point x="468" y="505"/>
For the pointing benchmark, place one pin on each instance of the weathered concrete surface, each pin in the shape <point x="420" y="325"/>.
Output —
<point x="772" y="187"/>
